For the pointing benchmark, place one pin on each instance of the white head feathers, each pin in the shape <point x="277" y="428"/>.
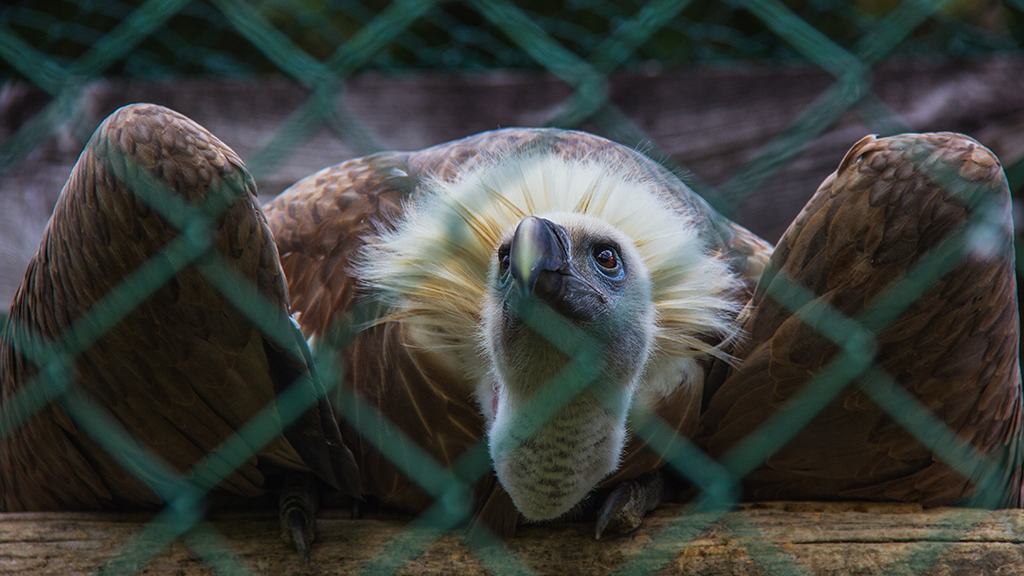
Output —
<point x="432" y="268"/>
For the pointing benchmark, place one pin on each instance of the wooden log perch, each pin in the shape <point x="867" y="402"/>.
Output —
<point x="775" y="538"/>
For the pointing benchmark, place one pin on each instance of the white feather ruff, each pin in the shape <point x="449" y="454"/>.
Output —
<point x="432" y="268"/>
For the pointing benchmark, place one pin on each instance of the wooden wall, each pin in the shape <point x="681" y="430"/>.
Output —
<point x="710" y="121"/>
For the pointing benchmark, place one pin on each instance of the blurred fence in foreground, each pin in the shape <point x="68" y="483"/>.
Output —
<point x="59" y="48"/>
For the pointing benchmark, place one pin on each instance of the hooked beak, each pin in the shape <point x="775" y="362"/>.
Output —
<point x="538" y="250"/>
<point x="541" y="267"/>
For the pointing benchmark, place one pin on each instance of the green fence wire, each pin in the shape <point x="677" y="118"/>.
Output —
<point x="59" y="46"/>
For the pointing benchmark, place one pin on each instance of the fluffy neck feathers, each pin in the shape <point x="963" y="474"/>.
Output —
<point x="432" y="268"/>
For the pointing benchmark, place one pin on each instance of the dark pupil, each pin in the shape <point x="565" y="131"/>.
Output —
<point x="503" y="262"/>
<point x="606" y="258"/>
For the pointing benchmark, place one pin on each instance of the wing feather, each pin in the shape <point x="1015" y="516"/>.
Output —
<point x="955" y="348"/>
<point x="181" y="371"/>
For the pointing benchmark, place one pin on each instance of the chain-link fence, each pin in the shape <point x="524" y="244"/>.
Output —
<point x="59" y="47"/>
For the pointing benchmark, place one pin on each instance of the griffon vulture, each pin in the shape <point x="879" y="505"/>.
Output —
<point x="458" y="242"/>
<point x="481" y="251"/>
<point x="542" y="290"/>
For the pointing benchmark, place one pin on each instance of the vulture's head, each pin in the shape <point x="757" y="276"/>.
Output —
<point x="563" y="286"/>
<point x="563" y="293"/>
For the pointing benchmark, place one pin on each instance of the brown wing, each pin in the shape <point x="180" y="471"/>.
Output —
<point x="321" y="223"/>
<point x="955" y="348"/>
<point x="181" y="371"/>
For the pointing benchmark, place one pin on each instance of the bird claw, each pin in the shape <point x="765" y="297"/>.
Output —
<point x="626" y="505"/>
<point x="297" y="508"/>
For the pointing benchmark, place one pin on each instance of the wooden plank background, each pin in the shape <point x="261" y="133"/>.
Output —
<point x="710" y="121"/>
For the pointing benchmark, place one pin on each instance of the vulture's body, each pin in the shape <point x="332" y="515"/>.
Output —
<point x="911" y="237"/>
<point x="542" y="291"/>
<point x="422" y="232"/>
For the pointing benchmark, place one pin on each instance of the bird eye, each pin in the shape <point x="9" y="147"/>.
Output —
<point x="607" y="260"/>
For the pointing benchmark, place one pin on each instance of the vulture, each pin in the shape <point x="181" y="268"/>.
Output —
<point x="546" y="290"/>
<point x="121" y="289"/>
<point x="507" y="269"/>
<point x="541" y="293"/>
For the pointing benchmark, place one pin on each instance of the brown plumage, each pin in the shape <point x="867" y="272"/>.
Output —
<point x="955" y="348"/>
<point x="322" y="222"/>
<point x="206" y="369"/>
<point x="183" y="370"/>
<point x="864" y="228"/>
